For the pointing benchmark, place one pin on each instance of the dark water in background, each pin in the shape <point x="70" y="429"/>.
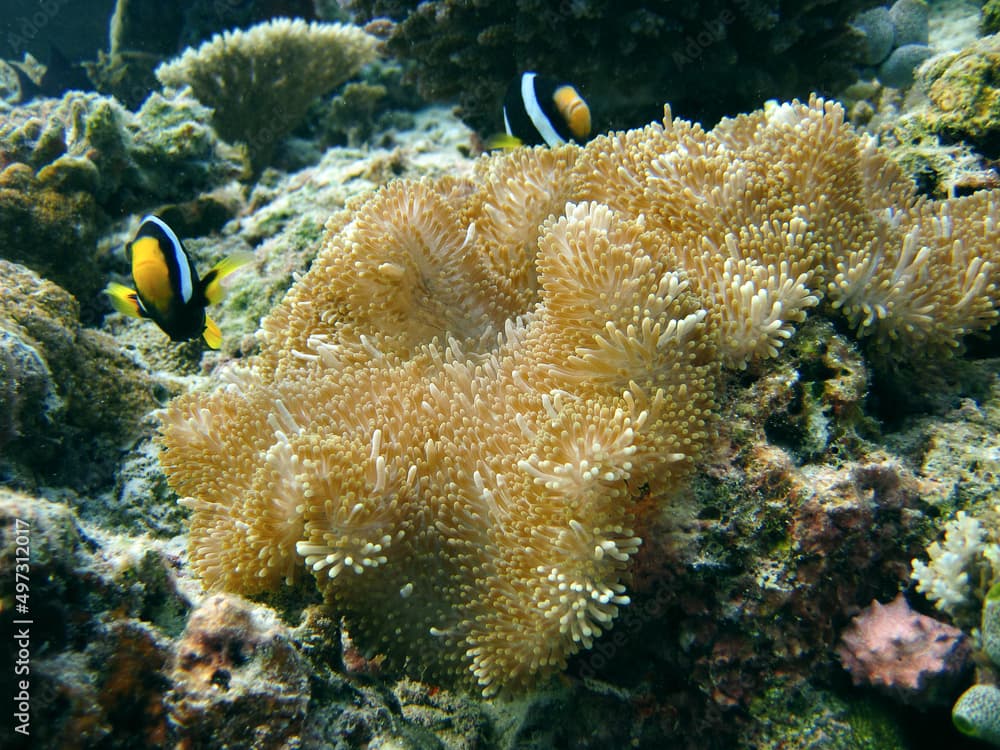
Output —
<point x="79" y="28"/>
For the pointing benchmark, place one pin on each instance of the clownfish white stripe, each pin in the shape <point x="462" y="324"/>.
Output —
<point x="535" y="113"/>
<point x="180" y="259"/>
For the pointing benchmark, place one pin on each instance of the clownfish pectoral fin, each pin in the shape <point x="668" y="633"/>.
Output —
<point x="504" y="141"/>
<point x="212" y="334"/>
<point x="211" y="284"/>
<point x="125" y="300"/>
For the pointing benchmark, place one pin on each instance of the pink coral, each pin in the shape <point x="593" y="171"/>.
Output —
<point x="910" y="656"/>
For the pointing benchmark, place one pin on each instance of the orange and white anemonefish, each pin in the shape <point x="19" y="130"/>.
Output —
<point x="540" y="110"/>
<point x="167" y="288"/>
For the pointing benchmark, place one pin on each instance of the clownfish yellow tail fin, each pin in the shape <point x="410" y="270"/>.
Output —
<point x="124" y="300"/>
<point x="504" y="141"/>
<point x="212" y="281"/>
<point x="212" y="334"/>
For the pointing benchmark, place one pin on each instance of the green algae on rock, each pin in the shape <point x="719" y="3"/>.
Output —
<point x="805" y="717"/>
<point x="989" y="22"/>
<point x="965" y="95"/>
<point x="63" y="381"/>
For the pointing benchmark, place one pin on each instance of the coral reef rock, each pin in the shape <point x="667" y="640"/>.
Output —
<point x="964" y="95"/>
<point x="261" y="81"/>
<point x="807" y="718"/>
<point x="912" y="656"/>
<point x="98" y="608"/>
<point x="60" y="381"/>
<point x="466" y="416"/>
<point x="119" y="658"/>
<point x="234" y="666"/>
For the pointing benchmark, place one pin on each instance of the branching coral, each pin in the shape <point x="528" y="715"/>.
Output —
<point x="261" y="81"/>
<point x="468" y="413"/>
<point x="968" y="555"/>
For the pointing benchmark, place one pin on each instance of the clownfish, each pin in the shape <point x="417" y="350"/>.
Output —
<point x="540" y="110"/>
<point x="167" y="288"/>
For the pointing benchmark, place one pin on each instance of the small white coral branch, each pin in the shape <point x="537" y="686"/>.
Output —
<point x="944" y="579"/>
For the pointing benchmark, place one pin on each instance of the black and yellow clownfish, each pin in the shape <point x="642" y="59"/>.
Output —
<point x="167" y="288"/>
<point x="540" y="110"/>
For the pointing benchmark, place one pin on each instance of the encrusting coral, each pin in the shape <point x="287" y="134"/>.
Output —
<point x="963" y="96"/>
<point x="468" y="413"/>
<point x="261" y="81"/>
<point x="232" y="665"/>
<point x="904" y="653"/>
<point x="60" y="380"/>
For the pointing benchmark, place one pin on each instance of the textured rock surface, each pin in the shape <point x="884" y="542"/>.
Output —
<point x="235" y="667"/>
<point x="72" y="397"/>
<point x="965" y="97"/>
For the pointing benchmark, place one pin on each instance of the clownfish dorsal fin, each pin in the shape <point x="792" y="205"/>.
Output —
<point x="211" y="283"/>
<point x="125" y="300"/>
<point x="212" y="334"/>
